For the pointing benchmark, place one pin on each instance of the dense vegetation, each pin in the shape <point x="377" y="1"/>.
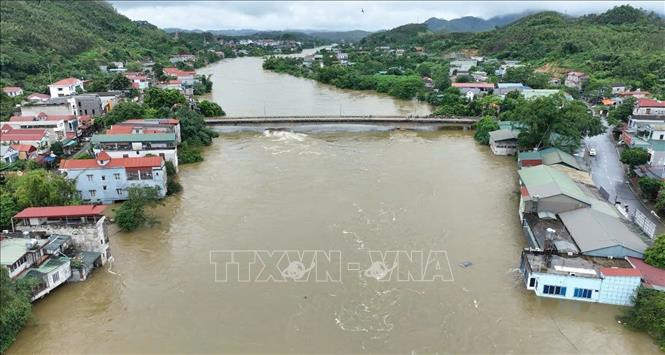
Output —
<point x="15" y="307"/>
<point x="655" y="254"/>
<point x="648" y="314"/>
<point x="43" y="41"/>
<point x="131" y="214"/>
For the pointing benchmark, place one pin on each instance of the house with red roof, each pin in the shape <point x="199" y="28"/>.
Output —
<point x="652" y="276"/>
<point x="646" y="112"/>
<point x="138" y="80"/>
<point x="133" y="144"/>
<point x="149" y="125"/>
<point x="18" y="144"/>
<point x="105" y="179"/>
<point x="58" y="126"/>
<point x="65" y="87"/>
<point x="37" y="97"/>
<point x="12" y="91"/>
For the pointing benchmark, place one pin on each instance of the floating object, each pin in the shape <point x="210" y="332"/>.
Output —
<point x="465" y="264"/>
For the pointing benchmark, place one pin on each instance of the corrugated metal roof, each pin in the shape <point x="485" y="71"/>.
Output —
<point x="61" y="211"/>
<point x="545" y="181"/>
<point x="502" y="135"/>
<point x="125" y="138"/>
<point x="594" y="230"/>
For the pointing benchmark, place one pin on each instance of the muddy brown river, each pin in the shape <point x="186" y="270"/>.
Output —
<point x="291" y="199"/>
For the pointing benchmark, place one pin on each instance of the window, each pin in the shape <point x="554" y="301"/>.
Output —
<point x="554" y="290"/>
<point x="86" y="111"/>
<point x="125" y="155"/>
<point x="56" y="277"/>
<point x="92" y="193"/>
<point x="532" y="282"/>
<point x="93" y="111"/>
<point x="582" y="293"/>
<point x="104" y="187"/>
<point x="119" y="192"/>
<point x="103" y="177"/>
<point x="116" y="176"/>
<point x="89" y="177"/>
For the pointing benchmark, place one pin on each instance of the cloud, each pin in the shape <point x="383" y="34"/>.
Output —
<point x="339" y="15"/>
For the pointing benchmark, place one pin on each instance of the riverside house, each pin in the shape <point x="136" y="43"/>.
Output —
<point x="130" y="145"/>
<point x="106" y="179"/>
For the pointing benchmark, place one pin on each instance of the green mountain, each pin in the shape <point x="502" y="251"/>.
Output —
<point x="71" y="38"/>
<point x="624" y="43"/>
<point x="470" y="23"/>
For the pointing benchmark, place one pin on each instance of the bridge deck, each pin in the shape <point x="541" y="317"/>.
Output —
<point x="458" y="121"/>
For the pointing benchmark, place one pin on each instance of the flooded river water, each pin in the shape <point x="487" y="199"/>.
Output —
<point x="350" y="194"/>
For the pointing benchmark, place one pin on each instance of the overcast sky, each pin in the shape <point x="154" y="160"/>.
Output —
<point x="342" y="15"/>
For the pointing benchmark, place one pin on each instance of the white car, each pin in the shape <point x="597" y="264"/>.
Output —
<point x="592" y="152"/>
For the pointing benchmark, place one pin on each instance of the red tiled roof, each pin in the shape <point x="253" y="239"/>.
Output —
<point x="38" y="96"/>
<point x="103" y="156"/>
<point x="118" y="129"/>
<point x="143" y="162"/>
<point x="9" y="89"/>
<point x="650" y="103"/>
<point x="170" y="121"/>
<point x="650" y="274"/>
<point x="634" y="93"/>
<point x="178" y="72"/>
<point x="19" y="137"/>
<point x="61" y="211"/>
<point x="23" y="148"/>
<point x="66" y="82"/>
<point x="617" y="271"/>
<point x="41" y="117"/>
<point x="474" y="85"/>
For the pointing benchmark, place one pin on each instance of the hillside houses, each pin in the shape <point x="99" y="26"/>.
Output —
<point x="12" y="91"/>
<point x="575" y="79"/>
<point x="65" y="87"/>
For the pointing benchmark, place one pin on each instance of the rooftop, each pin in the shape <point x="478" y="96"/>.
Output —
<point x="473" y="85"/>
<point x="562" y="240"/>
<point x="650" y="274"/>
<point x="12" y="249"/>
<point x="579" y="265"/>
<point x="66" y="82"/>
<point x="650" y="103"/>
<point x="61" y="211"/>
<point x="503" y="134"/>
<point x="132" y="163"/>
<point x="128" y="138"/>
<point x="544" y="181"/>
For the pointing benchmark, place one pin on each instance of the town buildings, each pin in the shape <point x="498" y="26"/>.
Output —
<point x="106" y="179"/>
<point x="503" y="142"/>
<point x="59" y="126"/>
<point x="575" y="79"/>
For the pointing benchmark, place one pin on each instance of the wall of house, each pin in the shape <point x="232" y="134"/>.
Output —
<point x="642" y="123"/>
<point x="64" y="271"/>
<point x="649" y="111"/>
<point x="51" y="109"/>
<point x="109" y="187"/>
<point x="60" y="91"/>
<point x="83" y="105"/>
<point x="506" y="147"/>
<point x="530" y="162"/>
<point x="618" y="290"/>
<point x="569" y="282"/>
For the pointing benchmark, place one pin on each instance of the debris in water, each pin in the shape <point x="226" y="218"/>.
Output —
<point x="475" y="303"/>
<point x="465" y="264"/>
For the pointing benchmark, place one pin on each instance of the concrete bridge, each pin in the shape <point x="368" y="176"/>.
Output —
<point x="462" y="122"/>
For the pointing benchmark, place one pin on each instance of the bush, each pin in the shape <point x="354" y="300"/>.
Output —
<point x="655" y="254"/>
<point x="15" y="307"/>
<point x="188" y="153"/>
<point x="483" y="129"/>
<point x="650" y="187"/>
<point x="172" y="186"/>
<point x="131" y="214"/>
<point x="210" y="109"/>
<point x="648" y="315"/>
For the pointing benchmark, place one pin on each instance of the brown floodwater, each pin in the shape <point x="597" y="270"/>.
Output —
<point x="339" y="190"/>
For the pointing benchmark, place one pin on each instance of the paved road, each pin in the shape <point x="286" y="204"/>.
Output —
<point x="607" y="172"/>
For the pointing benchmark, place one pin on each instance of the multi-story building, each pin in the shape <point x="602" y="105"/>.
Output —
<point x="86" y="224"/>
<point x="59" y="126"/>
<point x="65" y="87"/>
<point x="575" y="79"/>
<point x="148" y="125"/>
<point x="646" y="112"/>
<point x="129" y="145"/>
<point x="106" y="179"/>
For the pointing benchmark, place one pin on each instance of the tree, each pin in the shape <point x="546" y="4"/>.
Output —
<point x="622" y="112"/>
<point x="648" y="314"/>
<point x="634" y="156"/>
<point x="15" y="307"/>
<point x="210" y="109"/>
<point x="7" y="106"/>
<point x="193" y="128"/>
<point x="131" y="214"/>
<point x="123" y="111"/>
<point x="655" y="254"/>
<point x="57" y="149"/>
<point x="483" y="128"/>
<point x="650" y="187"/>
<point x="8" y="208"/>
<point x="37" y="188"/>
<point x="158" y="71"/>
<point x="120" y="82"/>
<point x="157" y="98"/>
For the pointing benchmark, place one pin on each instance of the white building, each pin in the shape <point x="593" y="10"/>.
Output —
<point x="575" y="80"/>
<point x="12" y="91"/>
<point x="503" y="142"/>
<point x="137" y="145"/>
<point x="58" y="126"/>
<point x="65" y="87"/>
<point x="106" y="180"/>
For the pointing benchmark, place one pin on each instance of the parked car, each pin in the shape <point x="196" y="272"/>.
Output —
<point x="592" y="152"/>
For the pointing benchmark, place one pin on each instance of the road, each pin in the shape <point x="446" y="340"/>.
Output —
<point x="607" y="173"/>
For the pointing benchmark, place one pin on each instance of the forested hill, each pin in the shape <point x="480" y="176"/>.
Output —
<point x="72" y="37"/>
<point x="470" y="23"/>
<point x="623" y="43"/>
